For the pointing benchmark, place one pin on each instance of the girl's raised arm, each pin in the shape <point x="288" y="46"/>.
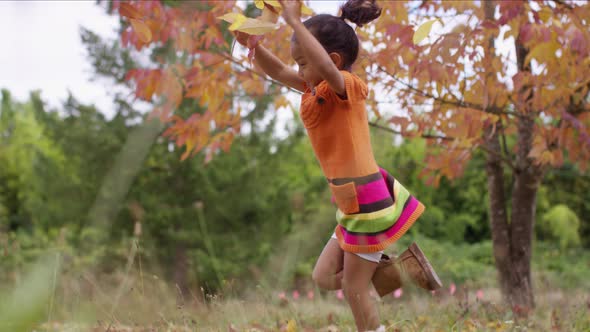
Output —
<point x="273" y="66"/>
<point x="313" y="51"/>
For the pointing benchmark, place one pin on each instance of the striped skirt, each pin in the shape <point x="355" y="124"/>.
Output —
<point x="374" y="211"/>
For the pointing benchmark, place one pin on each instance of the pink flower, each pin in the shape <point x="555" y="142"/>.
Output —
<point x="479" y="294"/>
<point x="295" y="295"/>
<point x="282" y="296"/>
<point x="310" y="295"/>
<point x="398" y="293"/>
<point x="452" y="289"/>
<point x="340" y="294"/>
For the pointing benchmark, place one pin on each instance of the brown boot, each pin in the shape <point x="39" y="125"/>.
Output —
<point x="413" y="264"/>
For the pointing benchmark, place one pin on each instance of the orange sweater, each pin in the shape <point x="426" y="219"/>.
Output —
<point x="338" y="129"/>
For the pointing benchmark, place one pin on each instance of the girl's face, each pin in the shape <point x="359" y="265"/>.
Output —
<point x="306" y="70"/>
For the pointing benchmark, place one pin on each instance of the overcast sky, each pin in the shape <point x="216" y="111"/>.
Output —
<point x="41" y="48"/>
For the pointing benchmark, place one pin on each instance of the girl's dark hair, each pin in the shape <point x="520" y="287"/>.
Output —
<point x="335" y="35"/>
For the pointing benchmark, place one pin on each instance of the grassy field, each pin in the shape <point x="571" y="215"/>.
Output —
<point x="132" y="299"/>
<point x="148" y="304"/>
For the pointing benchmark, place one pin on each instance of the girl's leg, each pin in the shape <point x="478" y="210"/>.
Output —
<point x="356" y="283"/>
<point x="327" y="272"/>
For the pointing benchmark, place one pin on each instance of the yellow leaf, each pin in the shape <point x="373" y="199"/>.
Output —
<point x="141" y="29"/>
<point x="259" y="4"/>
<point x="545" y="14"/>
<point x="423" y="31"/>
<point x="248" y="25"/>
<point x="306" y="10"/>
<point x="281" y="101"/>
<point x="542" y="51"/>
<point x="274" y="3"/>
<point x="291" y="326"/>
<point x="269" y="15"/>
<point x="240" y="20"/>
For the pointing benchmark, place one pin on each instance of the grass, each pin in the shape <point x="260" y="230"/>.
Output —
<point x="82" y="303"/>
<point x="131" y="299"/>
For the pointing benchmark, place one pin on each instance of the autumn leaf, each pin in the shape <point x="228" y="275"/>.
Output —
<point x="306" y="10"/>
<point x="543" y="51"/>
<point x="240" y="19"/>
<point x="259" y="4"/>
<point x="423" y="31"/>
<point x="129" y="11"/>
<point x="248" y="25"/>
<point x="141" y="29"/>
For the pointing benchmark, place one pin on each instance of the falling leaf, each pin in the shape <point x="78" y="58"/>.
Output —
<point x="423" y="31"/>
<point x="141" y="29"/>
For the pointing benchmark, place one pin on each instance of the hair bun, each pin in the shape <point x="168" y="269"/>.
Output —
<point x="360" y="12"/>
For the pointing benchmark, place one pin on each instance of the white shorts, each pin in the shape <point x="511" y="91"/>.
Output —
<point x="372" y="257"/>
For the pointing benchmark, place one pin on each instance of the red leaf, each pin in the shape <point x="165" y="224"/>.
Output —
<point x="129" y="11"/>
<point x="142" y="31"/>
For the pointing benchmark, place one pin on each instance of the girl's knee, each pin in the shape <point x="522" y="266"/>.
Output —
<point x="353" y="288"/>
<point x="325" y="280"/>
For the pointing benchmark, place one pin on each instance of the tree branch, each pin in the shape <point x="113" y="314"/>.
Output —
<point x="458" y="103"/>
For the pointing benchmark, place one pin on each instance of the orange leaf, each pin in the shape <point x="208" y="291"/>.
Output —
<point x="142" y="30"/>
<point x="129" y="11"/>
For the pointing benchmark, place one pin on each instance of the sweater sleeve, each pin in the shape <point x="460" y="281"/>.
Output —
<point x="356" y="89"/>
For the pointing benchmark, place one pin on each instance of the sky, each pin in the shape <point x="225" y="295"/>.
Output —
<point x="42" y="49"/>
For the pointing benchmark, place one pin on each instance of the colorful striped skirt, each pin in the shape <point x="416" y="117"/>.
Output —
<point x="374" y="211"/>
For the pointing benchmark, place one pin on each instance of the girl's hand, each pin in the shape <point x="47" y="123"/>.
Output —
<point x="242" y="37"/>
<point x="291" y="11"/>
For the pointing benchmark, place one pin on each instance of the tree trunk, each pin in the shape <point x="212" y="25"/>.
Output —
<point x="524" y="195"/>
<point x="181" y="272"/>
<point x="495" y="176"/>
<point x="524" y="203"/>
<point x="497" y="207"/>
<point x="524" y="199"/>
<point x="512" y="238"/>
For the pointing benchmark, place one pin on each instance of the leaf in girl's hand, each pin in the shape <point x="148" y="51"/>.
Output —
<point x="274" y="3"/>
<point x="423" y="31"/>
<point x="142" y="30"/>
<point x="248" y="25"/>
<point x="238" y="22"/>
<point x="306" y="10"/>
<point x="259" y="4"/>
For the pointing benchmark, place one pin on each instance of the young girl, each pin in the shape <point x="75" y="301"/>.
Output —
<point x="374" y="210"/>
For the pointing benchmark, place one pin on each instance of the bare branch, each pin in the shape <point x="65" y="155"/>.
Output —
<point x="458" y="103"/>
